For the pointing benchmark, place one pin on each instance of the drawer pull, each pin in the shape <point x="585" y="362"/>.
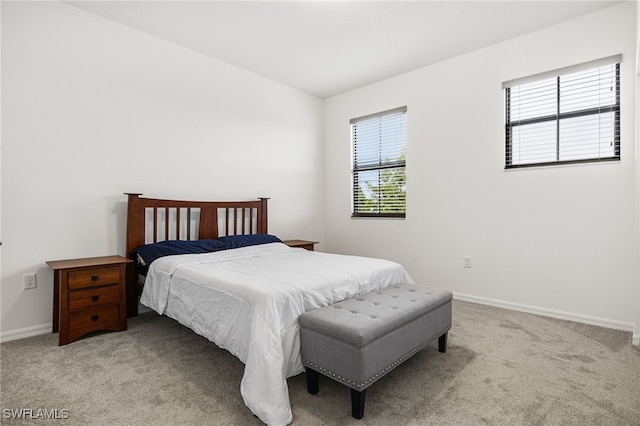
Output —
<point x="95" y="277"/>
<point x="95" y="298"/>
<point x="95" y="317"/>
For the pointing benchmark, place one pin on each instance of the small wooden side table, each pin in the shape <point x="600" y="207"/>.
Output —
<point x="89" y="294"/>
<point x="305" y="244"/>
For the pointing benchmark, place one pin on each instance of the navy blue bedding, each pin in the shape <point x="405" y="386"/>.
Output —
<point x="145" y="254"/>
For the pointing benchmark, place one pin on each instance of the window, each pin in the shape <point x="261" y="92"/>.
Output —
<point x="379" y="159"/>
<point x="570" y="115"/>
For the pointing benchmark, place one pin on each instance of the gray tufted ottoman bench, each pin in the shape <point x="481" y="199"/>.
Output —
<point x="359" y="340"/>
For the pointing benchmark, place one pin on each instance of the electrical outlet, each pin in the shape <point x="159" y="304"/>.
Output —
<point x="467" y="261"/>
<point x="30" y="280"/>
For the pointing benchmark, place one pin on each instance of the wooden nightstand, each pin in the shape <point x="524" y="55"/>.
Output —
<point x="88" y="295"/>
<point x="307" y="245"/>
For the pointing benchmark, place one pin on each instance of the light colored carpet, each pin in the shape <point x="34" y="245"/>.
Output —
<point x="501" y="368"/>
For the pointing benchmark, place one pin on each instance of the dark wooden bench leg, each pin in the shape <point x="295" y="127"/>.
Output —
<point x="357" y="403"/>
<point x="442" y="343"/>
<point x="313" y="379"/>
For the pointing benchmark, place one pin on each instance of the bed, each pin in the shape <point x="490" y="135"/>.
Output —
<point x="241" y="287"/>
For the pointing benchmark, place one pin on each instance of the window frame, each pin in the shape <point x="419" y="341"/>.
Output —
<point x="380" y="166"/>
<point x="559" y="116"/>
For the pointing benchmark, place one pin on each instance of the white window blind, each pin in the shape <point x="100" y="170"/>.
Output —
<point x="569" y="115"/>
<point x="379" y="161"/>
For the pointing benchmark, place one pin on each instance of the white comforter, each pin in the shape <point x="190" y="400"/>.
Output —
<point x="248" y="301"/>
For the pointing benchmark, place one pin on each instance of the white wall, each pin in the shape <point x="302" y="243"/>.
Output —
<point x="92" y="109"/>
<point x="557" y="240"/>
<point x="636" y="334"/>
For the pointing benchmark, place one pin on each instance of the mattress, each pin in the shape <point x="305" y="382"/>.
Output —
<point x="247" y="300"/>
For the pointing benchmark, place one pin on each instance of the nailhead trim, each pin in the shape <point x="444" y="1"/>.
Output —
<point x="378" y="375"/>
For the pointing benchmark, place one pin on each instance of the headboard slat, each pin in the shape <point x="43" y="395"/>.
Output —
<point x="178" y="222"/>
<point x="188" y="237"/>
<point x="166" y="223"/>
<point x="235" y="221"/>
<point x="155" y="224"/>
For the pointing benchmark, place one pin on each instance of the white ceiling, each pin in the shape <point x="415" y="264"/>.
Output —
<point x="328" y="47"/>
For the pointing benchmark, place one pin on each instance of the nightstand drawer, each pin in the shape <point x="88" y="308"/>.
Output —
<point x="94" y="277"/>
<point x="97" y="317"/>
<point x="99" y="296"/>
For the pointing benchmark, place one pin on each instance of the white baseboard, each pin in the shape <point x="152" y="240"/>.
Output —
<point x="636" y="339"/>
<point x="43" y="328"/>
<point x="25" y="332"/>
<point x="569" y="316"/>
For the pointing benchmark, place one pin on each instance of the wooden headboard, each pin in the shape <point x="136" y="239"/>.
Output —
<point x="151" y="220"/>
